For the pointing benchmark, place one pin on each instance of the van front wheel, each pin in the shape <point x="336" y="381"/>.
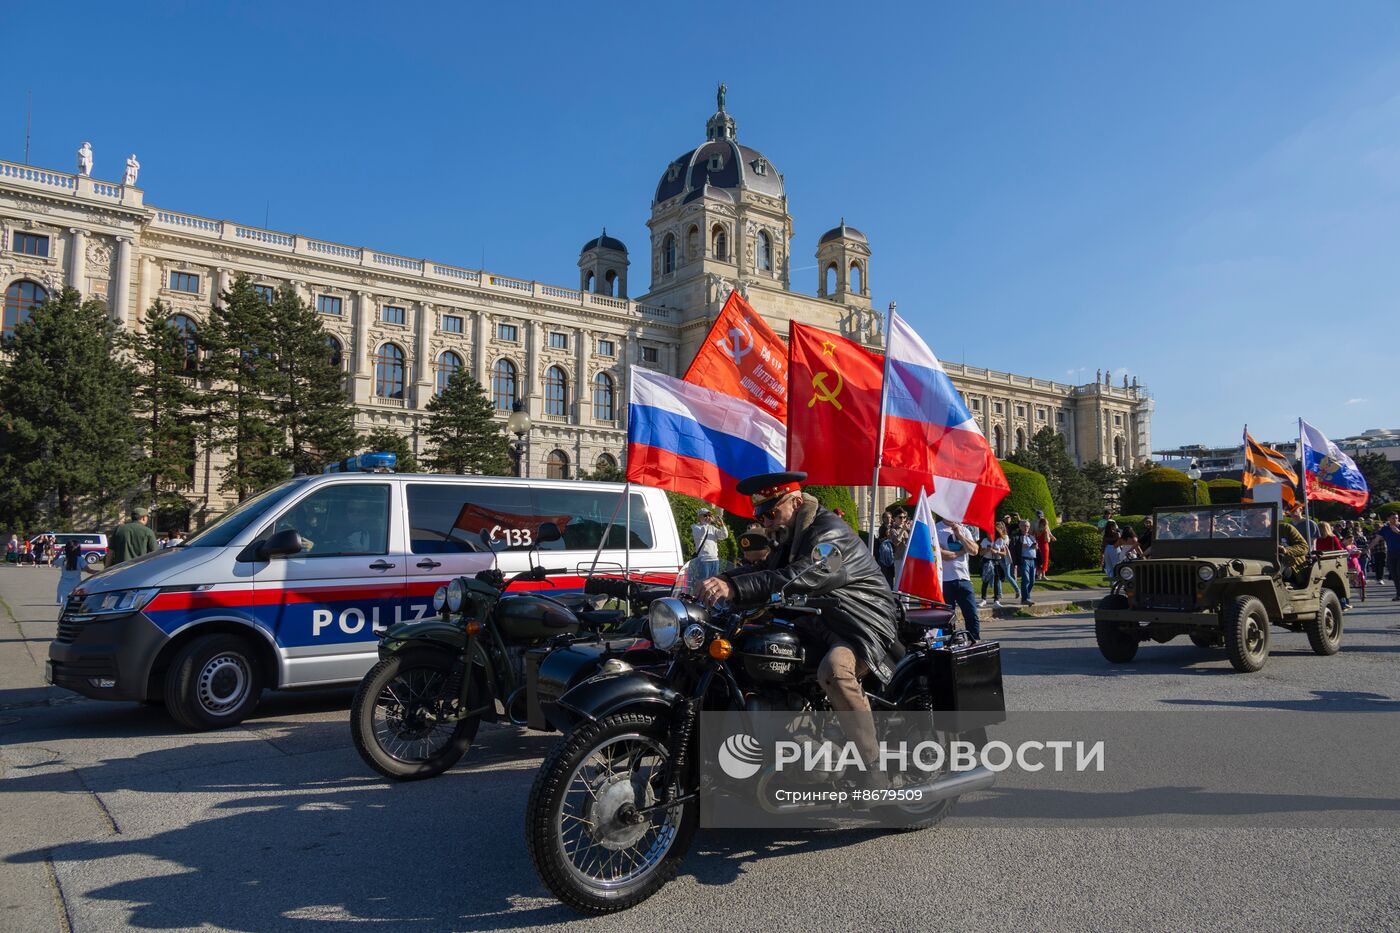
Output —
<point x="215" y="681"/>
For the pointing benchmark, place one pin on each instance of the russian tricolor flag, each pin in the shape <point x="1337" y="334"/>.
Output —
<point x="699" y="442"/>
<point x="932" y="442"/>
<point x="921" y="572"/>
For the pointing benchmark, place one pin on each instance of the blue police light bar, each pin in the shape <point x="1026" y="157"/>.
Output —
<point x="383" y="462"/>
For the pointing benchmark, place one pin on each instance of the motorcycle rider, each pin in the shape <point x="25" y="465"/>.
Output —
<point x="858" y="631"/>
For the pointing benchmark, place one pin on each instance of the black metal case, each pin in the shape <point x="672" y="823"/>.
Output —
<point x="967" y="678"/>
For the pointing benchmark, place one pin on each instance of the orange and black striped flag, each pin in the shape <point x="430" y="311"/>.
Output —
<point x="1264" y="465"/>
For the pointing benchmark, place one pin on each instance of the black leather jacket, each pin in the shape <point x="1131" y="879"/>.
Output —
<point x="866" y="620"/>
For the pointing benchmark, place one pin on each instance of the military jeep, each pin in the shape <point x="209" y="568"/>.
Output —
<point x="1217" y="575"/>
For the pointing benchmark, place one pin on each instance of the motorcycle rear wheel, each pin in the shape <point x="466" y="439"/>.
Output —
<point x="915" y="815"/>
<point x="582" y="846"/>
<point x="394" y="717"/>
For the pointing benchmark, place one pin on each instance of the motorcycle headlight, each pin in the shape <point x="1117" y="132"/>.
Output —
<point x="665" y="622"/>
<point x="439" y="598"/>
<point x="694" y="636"/>
<point x="1206" y="573"/>
<point x="117" y="602"/>
<point x="1125" y="573"/>
<point x="456" y="592"/>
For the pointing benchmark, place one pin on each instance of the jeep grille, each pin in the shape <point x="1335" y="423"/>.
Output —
<point x="1165" y="586"/>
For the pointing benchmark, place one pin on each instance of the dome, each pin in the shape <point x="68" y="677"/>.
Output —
<point x="849" y="233"/>
<point x="721" y="163"/>
<point x="605" y="242"/>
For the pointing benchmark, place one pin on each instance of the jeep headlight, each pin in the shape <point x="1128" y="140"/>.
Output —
<point x="439" y="599"/>
<point x="664" y="621"/>
<point x="456" y="592"/>
<point x="117" y="602"/>
<point x="1125" y="573"/>
<point x="1206" y="573"/>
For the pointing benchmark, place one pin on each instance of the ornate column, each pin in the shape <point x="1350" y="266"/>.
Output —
<point x="583" y="388"/>
<point x="220" y="286"/>
<point x="360" y="371"/>
<point x="121" y="297"/>
<point x="480" y="361"/>
<point x="77" y="258"/>
<point x="423" y="362"/>
<point x="146" y="287"/>
<point x="532" y="362"/>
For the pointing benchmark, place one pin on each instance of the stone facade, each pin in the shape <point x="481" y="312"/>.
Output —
<point x="719" y="221"/>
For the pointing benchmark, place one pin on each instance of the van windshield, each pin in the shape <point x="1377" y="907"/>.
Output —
<point x="244" y="514"/>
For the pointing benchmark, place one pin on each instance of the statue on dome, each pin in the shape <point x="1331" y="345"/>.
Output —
<point x="719" y="96"/>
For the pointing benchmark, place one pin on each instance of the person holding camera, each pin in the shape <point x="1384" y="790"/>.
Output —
<point x="707" y="532"/>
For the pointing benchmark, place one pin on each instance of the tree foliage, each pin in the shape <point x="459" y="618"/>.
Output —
<point x="1382" y="476"/>
<point x="165" y="397"/>
<point x="1047" y="454"/>
<point x="462" y="435"/>
<point x="387" y="440"/>
<point x="1107" y="481"/>
<point x="67" y="434"/>
<point x="310" y="407"/>
<point x="1162" y="486"/>
<point x="1029" y="493"/>
<point x="1078" y="546"/>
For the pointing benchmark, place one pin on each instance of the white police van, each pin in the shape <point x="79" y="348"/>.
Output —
<point x="205" y="626"/>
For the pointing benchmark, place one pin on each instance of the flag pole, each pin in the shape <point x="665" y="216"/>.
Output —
<point x="880" y="436"/>
<point x="1303" y="483"/>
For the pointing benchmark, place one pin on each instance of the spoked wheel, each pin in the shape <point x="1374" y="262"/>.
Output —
<point x="917" y="815"/>
<point x="400" y="717"/>
<point x="587" y="839"/>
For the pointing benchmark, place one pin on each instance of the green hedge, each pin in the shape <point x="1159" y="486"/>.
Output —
<point x="1078" y="546"/>
<point x="834" y="497"/>
<point x="1130" y="521"/>
<point x="1225" y="491"/>
<point x="1159" y="487"/>
<point x="1388" y="508"/>
<point x="686" y="510"/>
<point x="1029" y="492"/>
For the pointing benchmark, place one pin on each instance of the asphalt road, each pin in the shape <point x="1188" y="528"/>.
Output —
<point x="114" y="819"/>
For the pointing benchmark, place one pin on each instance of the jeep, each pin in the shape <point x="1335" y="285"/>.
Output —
<point x="1217" y="575"/>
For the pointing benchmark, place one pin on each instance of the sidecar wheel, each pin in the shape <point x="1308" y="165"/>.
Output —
<point x="393" y="717"/>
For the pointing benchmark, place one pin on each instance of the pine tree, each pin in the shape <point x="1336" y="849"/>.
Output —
<point x="387" y="440"/>
<point x="238" y="355"/>
<point x="309" y="403"/>
<point x="462" y="436"/>
<point x="165" y="396"/>
<point x="1075" y="496"/>
<point x="69" y="436"/>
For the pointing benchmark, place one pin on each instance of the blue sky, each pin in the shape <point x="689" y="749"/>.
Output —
<point x="1202" y="195"/>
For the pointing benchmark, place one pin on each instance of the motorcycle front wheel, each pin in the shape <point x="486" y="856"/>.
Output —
<point x="397" y="719"/>
<point x="588" y="843"/>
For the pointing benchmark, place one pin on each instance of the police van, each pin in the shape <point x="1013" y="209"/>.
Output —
<point x="290" y="588"/>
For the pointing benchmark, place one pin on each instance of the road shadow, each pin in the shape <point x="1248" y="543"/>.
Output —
<point x="1322" y="701"/>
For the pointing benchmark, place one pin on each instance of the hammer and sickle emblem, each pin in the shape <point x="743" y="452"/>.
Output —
<point x="820" y="392"/>
<point x="733" y="348"/>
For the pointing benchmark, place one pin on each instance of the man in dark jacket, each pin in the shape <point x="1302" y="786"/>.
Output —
<point x="858" y="630"/>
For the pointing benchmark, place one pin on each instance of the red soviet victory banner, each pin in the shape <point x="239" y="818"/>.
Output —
<point x="833" y="407"/>
<point x="743" y="357"/>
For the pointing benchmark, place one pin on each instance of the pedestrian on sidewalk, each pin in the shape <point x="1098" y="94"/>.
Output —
<point x="1390" y="532"/>
<point x="1354" y="565"/>
<point x="12" y="550"/>
<point x="1129" y="547"/>
<point x="1029" y="559"/>
<point x="132" y="539"/>
<point x="1110" y="549"/>
<point x="1378" y="554"/>
<point x="955" y="543"/>
<point x="996" y="554"/>
<point x="1149" y="531"/>
<point x="1043" y="537"/>
<point x="69" y="561"/>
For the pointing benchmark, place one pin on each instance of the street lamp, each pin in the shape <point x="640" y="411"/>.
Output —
<point x="1194" y="474"/>
<point x="518" y="424"/>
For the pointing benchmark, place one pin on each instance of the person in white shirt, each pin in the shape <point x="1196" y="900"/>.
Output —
<point x="707" y="532"/>
<point x="956" y="543"/>
<point x="996" y="554"/>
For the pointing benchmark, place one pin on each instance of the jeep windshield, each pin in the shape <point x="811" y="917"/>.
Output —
<point x="244" y="514"/>
<point x="1244" y="530"/>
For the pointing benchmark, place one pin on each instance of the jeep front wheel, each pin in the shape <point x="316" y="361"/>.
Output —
<point x="1116" y="645"/>
<point x="1325" y="632"/>
<point x="1246" y="625"/>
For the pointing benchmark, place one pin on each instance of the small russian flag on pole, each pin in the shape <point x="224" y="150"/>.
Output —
<point x="921" y="572"/>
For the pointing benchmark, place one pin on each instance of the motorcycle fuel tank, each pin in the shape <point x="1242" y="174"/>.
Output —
<point x="772" y="654"/>
<point x="526" y="616"/>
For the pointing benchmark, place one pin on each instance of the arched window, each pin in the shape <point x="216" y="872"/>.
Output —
<point x="668" y="255"/>
<point x="832" y="276"/>
<point x="1020" y="439"/>
<point x="188" y="345"/>
<point x="503" y="385"/>
<point x="692" y="243"/>
<point x="449" y="364"/>
<point x="389" y="371"/>
<point x="603" y="397"/>
<point x="765" y="252"/>
<point x="1118" y="451"/>
<point x="720" y="242"/>
<point x="605" y="463"/>
<point x="997" y="443"/>
<point x="855" y="279"/>
<point x="588" y="281"/>
<point x="556" y="391"/>
<point x="21" y="298"/>
<point x="610" y="277"/>
<point x="558" y="465"/>
<point x="334" y="354"/>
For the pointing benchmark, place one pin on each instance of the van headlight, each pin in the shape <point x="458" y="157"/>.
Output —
<point x="117" y="602"/>
<point x="664" y="621"/>
<point x="456" y="592"/>
<point x="1206" y="573"/>
<point x="439" y="598"/>
<point x="1125" y="573"/>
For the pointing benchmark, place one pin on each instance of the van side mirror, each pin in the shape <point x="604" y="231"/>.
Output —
<point x="284" y="543"/>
